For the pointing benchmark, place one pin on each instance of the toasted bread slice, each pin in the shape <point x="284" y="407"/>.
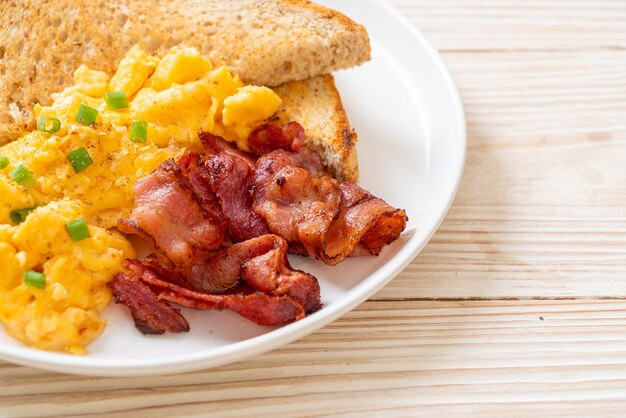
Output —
<point x="315" y="103"/>
<point x="267" y="42"/>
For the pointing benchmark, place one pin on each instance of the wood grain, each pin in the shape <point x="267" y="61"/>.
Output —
<point x="539" y="212"/>
<point x="385" y="358"/>
<point x="470" y="327"/>
<point x="513" y="25"/>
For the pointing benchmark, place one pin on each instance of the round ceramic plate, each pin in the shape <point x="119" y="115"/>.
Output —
<point x="408" y="115"/>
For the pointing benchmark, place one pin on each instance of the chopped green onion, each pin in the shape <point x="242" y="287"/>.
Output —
<point x="34" y="278"/>
<point x="86" y="115"/>
<point x="23" y="176"/>
<point x="77" y="230"/>
<point x="116" y="100"/>
<point x="50" y="125"/>
<point x="4" y="162"/>
<point x="19" y="215"/>
<point x="139" y="131"/>
<point x="79" y="159"/>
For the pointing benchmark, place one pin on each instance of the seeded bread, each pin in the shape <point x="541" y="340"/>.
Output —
<point x="267" y="42"/>
<point x="315" y="103"/>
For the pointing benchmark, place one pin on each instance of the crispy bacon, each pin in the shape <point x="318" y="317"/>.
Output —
<point x="365" y="224"/>
<point x="167" y="211"/>
<point x="261" y="262"/>
<point x="297" y="206"/>
<point x="185" y="209"/>
<point x="269" y="137"/>
<point x="273" y="293"/>
<point x="151" y="315"/>
<point x="267" y="269"/>
<point x="269" y="164"/>
<point x="214" y="144"/>
<point x="269" y="273"/>
<point x="192" y="166"/>
<point x="320" y="216"/>
<point x="257" y="306"/>
<point x="230" y="173"/>
<point x="165" y="269"/>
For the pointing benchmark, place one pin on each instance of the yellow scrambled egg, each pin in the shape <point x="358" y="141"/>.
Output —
<point x="177" y="96"/>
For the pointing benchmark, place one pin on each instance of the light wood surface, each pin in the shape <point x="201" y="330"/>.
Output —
<point x="516" y="307"/>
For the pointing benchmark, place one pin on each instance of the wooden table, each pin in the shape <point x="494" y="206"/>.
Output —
<point x="518" y="304"/>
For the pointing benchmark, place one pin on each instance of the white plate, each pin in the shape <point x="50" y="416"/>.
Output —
<point x="407" y="112"/>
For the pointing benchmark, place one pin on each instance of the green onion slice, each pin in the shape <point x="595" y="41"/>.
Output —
<point x="139" y="131"/>
<point x="4" y="162"/>
<point x="79" y="159"/>
<point x="50" y="125"/>
<point x="116" y="100"/>
<point x="86" y="115"/>
<point x="34" y="278"/>
<point x="77" y="230"/>
<point x="23" y="176"/>
<point x="19" y="215"/>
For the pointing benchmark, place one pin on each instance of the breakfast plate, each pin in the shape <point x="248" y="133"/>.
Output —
<point x="409" y="118"/>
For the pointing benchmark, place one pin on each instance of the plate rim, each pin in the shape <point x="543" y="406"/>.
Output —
<point x="254" y="346"/>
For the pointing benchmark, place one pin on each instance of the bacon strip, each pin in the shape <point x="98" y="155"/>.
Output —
<point x="230" y="173"/>
<point x="151" y="315"/>
<point x="269" y="137"/>
<point x="297" y="206"/>
<point x="259" y="307"/>
<point x="192" y="166"/>
<point x="167" y="211"/>
<point x="268" y="273"/>
<point x="268" y="270"/>
<point x="274" y="293"/>
<point x="186" y="208"/>
<point x="364" y="226"/>
<point x="320" y="216"/>
<point x="261" y="262"/>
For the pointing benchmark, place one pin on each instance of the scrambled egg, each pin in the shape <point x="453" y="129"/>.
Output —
<point x="64" y="314"/>
<point x="178" y="96"/>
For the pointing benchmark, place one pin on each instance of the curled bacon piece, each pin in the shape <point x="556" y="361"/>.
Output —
<point x="167" y="212"/>
<point x="270" y="164"/>
<point x="257" y="306"/>
<point x="186" y="208"/>
<point x="192" y="166"/>
<point x="273" y="293"/>
<point x="297" y="206"/>
<point x="151" y="315"/>
<point x="318" y="215"/>
<point x="261" y="262"/>
<point x="267" y="269"/>
<point x="365" y="223"/>
<point x="230" y="173"/>
<point x="269" y="137"/>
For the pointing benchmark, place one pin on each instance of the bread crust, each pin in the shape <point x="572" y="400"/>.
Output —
<point x="348" y="23"/>
<point x="267" y="42"/>
<point x="316" y="104"/>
